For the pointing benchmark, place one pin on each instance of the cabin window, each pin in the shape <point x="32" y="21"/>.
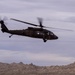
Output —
<point x="38" y="32"/>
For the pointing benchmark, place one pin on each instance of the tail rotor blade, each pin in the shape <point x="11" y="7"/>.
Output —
<point x="0" y="18"/>
<point x="5" y="18"/>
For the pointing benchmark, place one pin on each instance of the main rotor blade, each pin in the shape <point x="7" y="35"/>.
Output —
<point x="59" y="28"/>
<point x="24" y="22"/>
<point x="40" y="22"/>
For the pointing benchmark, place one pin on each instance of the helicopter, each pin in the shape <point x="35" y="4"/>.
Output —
<point x="38" y="31"/>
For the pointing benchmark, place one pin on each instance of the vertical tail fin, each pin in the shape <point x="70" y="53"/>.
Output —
<point x="4" y="28"/>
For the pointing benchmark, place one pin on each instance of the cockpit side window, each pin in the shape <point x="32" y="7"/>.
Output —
<point x="51" y="33"/>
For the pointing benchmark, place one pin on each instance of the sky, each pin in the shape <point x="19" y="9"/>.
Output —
<point x="55" y="13"/>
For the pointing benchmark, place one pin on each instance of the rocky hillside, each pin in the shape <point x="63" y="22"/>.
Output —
<point x="30" y="69"/>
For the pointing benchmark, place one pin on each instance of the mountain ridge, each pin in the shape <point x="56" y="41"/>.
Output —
<point x="31" y="69"/>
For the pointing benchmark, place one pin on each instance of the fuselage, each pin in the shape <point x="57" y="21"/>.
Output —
<point x="30" y="32"/>
<point x="35" y="33"/>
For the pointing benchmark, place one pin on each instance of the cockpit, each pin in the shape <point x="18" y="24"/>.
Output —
<point x="52" y="35"/>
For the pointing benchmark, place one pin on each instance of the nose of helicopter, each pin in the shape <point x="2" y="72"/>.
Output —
<point x="56" y="37"/>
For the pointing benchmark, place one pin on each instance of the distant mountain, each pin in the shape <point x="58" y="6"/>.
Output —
<point x="30" y="69"/>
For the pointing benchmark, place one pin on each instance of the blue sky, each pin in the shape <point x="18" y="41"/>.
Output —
<point x="55" y="13"/>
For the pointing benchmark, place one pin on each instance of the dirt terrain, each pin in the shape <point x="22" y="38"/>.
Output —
<point x="30" y="69"/>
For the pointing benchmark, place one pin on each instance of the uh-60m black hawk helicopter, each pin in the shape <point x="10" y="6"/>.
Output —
<point x="33" y="32"/>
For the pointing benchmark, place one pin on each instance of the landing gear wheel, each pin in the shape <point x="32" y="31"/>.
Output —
<point x="44" y="40"/>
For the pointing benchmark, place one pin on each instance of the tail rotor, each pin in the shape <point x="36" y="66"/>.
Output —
<point x="3" y="19"/>
<point x="2" y="22"/>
